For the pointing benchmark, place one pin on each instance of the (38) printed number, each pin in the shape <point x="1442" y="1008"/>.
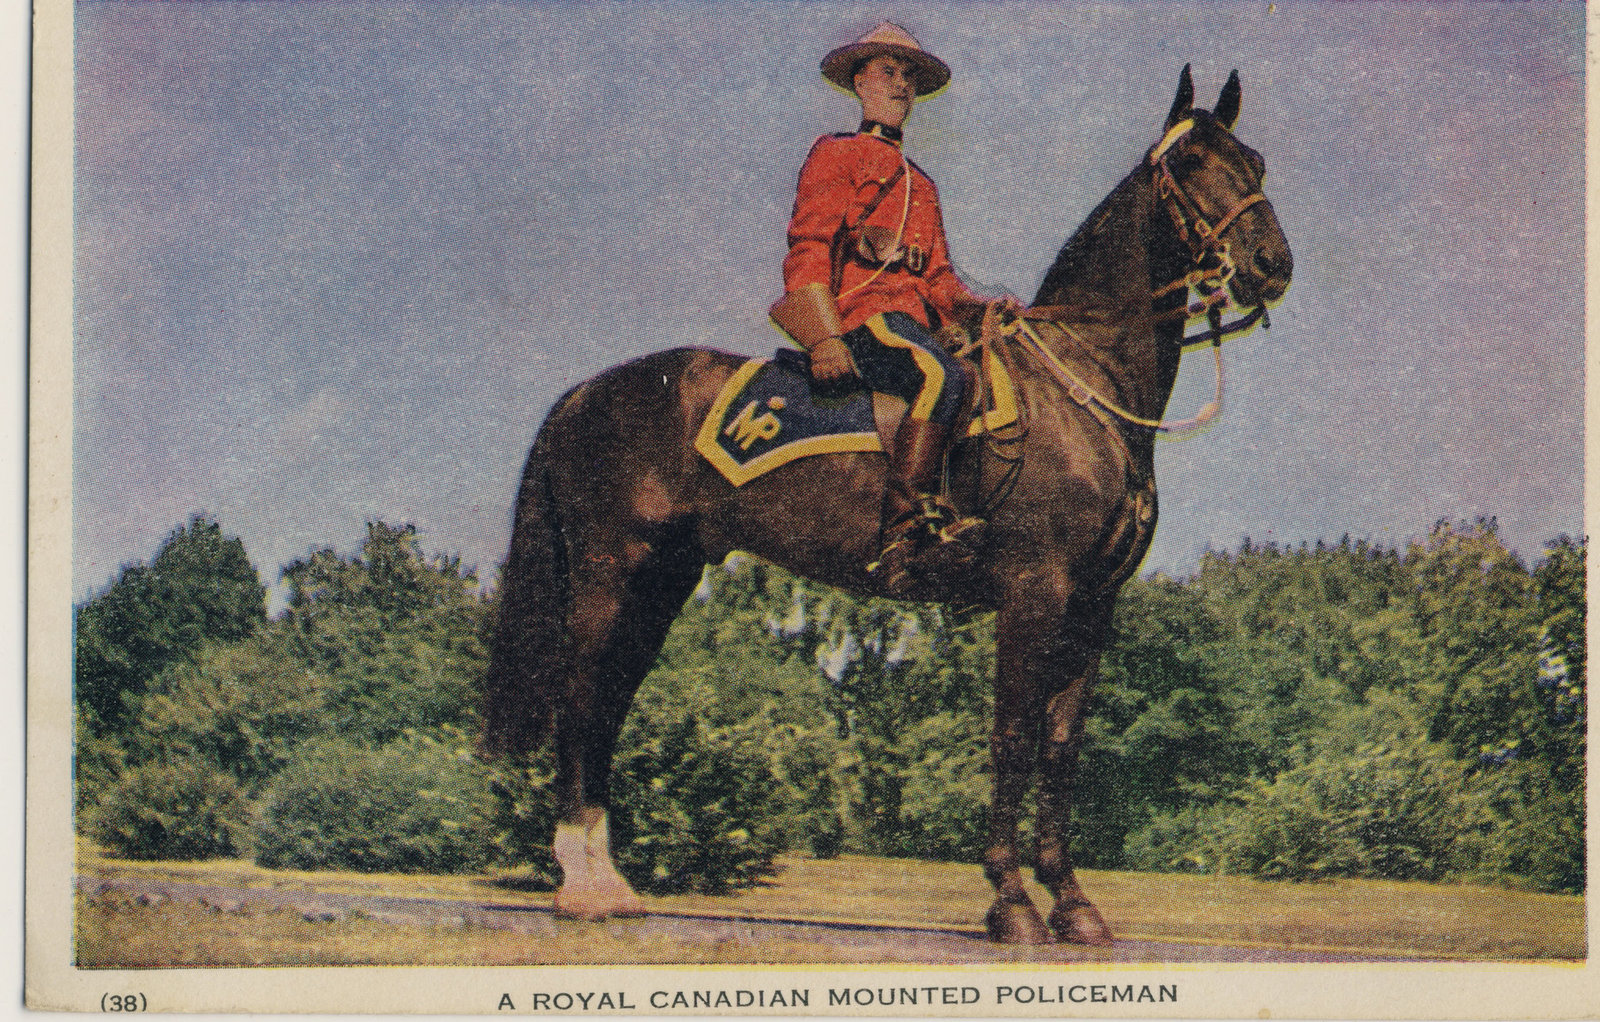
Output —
<point x="123" y="1002"/>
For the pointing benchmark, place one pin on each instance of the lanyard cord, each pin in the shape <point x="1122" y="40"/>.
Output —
<point x="899" y="234"/>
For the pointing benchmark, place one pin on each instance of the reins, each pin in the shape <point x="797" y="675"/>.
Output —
<point x="1212" y="274"/>
<point x="1083" y="393"/>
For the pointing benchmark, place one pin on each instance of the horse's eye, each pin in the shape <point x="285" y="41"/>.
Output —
<point x="1188" y="163"/>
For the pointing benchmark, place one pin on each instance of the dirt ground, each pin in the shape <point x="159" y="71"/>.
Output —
<point x="698" y="937"/>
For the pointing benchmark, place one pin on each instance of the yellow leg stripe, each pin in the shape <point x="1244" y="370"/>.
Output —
<point x="932" y="371"/>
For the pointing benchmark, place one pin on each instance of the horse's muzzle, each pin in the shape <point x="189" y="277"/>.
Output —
<point x="1266" y="278"/>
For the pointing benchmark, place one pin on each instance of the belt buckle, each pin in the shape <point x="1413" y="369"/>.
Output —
<point x="916" y="259"/>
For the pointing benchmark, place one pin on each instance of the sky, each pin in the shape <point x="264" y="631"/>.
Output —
<point x="334" y="261"/>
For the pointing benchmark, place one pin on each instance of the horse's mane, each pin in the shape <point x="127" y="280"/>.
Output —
<point x="1080" y="250"/>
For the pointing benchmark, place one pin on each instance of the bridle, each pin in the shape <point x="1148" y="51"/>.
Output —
<point x="1211" y="274"/>
<point x="1213" y="262"/>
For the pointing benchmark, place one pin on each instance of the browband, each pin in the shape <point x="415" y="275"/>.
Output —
<point x="1170" y="139"/>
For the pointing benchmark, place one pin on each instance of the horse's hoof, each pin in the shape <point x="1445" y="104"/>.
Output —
<point x="625" y="904"/>
<point x="1080" y="924"/>
<point x="594" y="906"/>
<point x="1010" y="922"/>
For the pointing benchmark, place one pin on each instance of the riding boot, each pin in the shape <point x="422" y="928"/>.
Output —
<point x="916" y="519"/>
<point x="903" y="533"/>
<point x="901" y="543"/>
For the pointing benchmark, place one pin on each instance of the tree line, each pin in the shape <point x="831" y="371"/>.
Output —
<point x="1303" y="712"/>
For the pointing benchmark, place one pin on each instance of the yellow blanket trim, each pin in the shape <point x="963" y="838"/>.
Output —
<point x="1003" y="414"/>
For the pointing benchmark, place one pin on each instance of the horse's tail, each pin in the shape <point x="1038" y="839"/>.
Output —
<point x="528" y="662"/>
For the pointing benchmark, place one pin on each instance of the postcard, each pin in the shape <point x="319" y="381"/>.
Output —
<point x="718" y="507"/>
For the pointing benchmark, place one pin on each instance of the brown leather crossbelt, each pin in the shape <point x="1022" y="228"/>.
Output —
<point x="872" y="250"/>
<point x="842" y="248"/>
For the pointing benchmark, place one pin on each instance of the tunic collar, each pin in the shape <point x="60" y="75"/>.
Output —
<point x="883" y="131"/>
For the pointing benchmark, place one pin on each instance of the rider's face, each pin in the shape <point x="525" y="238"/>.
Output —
<point x="886" y="87"/>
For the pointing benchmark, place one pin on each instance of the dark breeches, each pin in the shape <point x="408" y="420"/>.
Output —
<point x="896" y="355"/>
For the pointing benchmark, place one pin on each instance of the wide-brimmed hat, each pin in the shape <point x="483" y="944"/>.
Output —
<point x="839" y="67"/>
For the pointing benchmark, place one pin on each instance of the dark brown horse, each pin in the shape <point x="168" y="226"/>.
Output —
<point x="617" y="515"/>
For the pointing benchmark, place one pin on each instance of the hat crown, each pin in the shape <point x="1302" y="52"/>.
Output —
<point x="892" y="34"/>
<point x="886" y="39"/>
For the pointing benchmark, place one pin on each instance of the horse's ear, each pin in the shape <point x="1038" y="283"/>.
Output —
<point x="1184" y="101"/>
<point x="1227" y="111"/>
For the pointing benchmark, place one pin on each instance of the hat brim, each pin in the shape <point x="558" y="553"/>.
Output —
<point x="839" y="67"/>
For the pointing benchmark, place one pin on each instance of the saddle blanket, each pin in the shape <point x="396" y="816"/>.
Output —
<point x="767" y="415"/>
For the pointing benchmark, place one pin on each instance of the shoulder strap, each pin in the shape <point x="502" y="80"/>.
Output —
<point x="883" y="193"/>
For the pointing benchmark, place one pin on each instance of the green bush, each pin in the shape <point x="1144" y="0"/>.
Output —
<point x="176" y="809"/>
<point x="1531" y="830"/>
<point x="399" y="635"/>
<point x="1179" y="841"/>
<point x="199" y="588"/>
<point x="944" y="795"/>
<point x="693" y="806"/>
<point x="523" y="816"/>
<point x="96" y="761"/>
<point x="1391" y="811"/>
<point x="417" y="805"/>
<point x="244" y="708"/>
<point x="806" y="762"/>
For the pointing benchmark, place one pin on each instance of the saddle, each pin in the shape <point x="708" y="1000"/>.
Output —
<point x="770" y="413"/>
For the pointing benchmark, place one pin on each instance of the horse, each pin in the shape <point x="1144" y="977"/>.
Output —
<point x="617" y="515"/>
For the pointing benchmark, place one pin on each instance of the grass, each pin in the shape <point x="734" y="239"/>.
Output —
<point x="1428" y="919"/>
<point x="1435" y="921"/>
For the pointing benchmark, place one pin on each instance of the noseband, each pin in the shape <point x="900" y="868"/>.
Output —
<point x="1187" y="216"/>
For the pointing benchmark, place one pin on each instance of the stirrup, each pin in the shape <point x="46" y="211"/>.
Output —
<point x="948" y="525"/>
<point x="893" y="567"/>
<point x="932" y="513"/>
<point x="968" y="531"/>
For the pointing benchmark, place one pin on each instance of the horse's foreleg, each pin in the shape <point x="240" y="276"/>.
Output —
<point x="1074" y="918"/>
<point x="1022" y="642"/>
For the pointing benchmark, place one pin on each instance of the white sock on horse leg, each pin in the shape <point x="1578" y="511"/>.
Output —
<point x="570" y="847"/>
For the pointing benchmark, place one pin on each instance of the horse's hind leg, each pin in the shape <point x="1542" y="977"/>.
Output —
<point x="624" y="600"/>
<point x="1074" y="919"/>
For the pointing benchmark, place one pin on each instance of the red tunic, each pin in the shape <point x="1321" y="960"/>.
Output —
<point x="839" y="178"/>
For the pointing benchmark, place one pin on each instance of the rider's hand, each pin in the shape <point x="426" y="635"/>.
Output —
<point x="973" y="308"/>
<point x="831" y="361"/>
<point x="1009" y="307"/>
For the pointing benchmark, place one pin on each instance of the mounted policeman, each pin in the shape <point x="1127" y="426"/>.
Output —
<point x="868" y="280"/>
